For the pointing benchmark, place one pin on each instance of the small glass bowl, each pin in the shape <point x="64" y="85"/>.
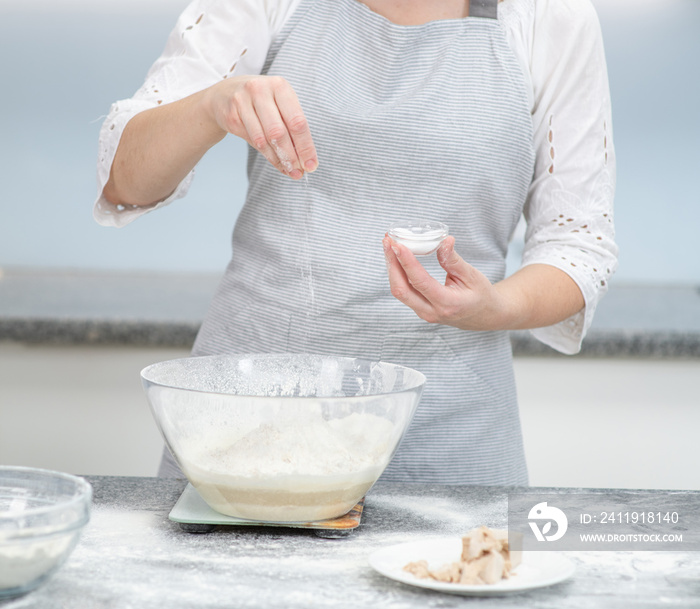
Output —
<point x="420" y="236"/>
<point x="42" y="513"/>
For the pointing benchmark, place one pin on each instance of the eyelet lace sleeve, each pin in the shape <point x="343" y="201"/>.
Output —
<point x="569" y="211"/>
<point x="212" y="40"/>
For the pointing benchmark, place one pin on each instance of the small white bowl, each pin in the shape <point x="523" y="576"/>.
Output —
<point x="420" y="236"/>
<point x="42" y="513"/>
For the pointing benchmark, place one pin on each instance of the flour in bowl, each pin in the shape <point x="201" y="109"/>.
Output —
<point x="23" y="563"/>
<point x="298" y="469"/>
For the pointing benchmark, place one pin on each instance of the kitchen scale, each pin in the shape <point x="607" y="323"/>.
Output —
<point x="193" y="515"/>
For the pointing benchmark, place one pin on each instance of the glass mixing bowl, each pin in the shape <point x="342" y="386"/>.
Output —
<point x="41" y="516"/>
<point x="282" y="438"/>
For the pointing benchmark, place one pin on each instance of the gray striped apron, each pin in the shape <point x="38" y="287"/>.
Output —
<point x="427" y="121"/>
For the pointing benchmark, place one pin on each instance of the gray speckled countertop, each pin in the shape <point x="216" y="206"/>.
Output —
<point x="132" y="556"/>
<point x="166" y="310"/>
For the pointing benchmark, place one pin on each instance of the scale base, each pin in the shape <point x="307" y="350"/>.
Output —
<point x="193" y="515"/>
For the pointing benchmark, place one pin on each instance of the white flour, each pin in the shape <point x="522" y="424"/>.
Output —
<point x="21" y="564"/>
<point x="294" y="470"/>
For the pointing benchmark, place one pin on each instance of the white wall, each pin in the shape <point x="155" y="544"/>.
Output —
<point x="78" y="409"/>
<point x="587" y="422"/>
<point x="617" y="423"/>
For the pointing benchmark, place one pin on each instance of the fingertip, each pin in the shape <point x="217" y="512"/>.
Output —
<point x="446" y="250"/>
<point x="386" y="244"/>
<point x="446" y="245"/>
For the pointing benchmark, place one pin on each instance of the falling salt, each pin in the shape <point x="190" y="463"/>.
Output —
<point x="306" y="265"/>
<point x="305" y="260"/>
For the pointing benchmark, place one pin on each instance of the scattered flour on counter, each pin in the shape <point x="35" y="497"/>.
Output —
<point x="120" y="527"/>
<point x="444" y="514"/>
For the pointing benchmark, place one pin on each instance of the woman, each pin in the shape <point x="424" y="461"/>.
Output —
<point x="466" y="113"/>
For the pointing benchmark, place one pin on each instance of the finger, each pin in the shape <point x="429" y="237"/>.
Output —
<point x="458" y="270"/>
<point x="448" y="258"/>
<point x="401" y="287"/>
<point x="419" y="279"/>
<point x="297" y="126"/>
<point x="242" y="120"/>
<point x="276" y="133"/>
<point x="255" y="136"/>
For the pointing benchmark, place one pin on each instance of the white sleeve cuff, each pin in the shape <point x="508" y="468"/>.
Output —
<point x="567" y="335"/>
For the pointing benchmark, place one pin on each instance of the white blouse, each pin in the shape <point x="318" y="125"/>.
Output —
<point x="559" y="46"/>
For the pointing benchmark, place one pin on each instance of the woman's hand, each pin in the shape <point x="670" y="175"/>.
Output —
<point x="468" y="300"/>
<point x="160" y="146"/>
<point x="537" y="295"/>
<point x="266" y="113"/>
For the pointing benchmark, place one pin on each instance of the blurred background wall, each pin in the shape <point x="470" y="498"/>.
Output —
<point x="65" y="61"/>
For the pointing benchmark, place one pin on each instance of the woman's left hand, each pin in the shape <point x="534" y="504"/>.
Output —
<point x="468" y="300"/>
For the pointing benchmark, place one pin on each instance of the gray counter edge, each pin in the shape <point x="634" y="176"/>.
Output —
<point x="173" y="334"/>
<point x="49" y="306"/>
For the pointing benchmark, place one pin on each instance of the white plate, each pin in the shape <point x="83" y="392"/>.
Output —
<point x="537" y="569"/>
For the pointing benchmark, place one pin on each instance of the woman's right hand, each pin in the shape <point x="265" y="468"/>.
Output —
<point x="266" y="113"/>
<point x="160" y="146"/>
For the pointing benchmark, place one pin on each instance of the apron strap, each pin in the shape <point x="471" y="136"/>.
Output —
<point x="483" y="8"/>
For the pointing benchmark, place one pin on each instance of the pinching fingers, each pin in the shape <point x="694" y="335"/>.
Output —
<point x="298" y="128"/>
